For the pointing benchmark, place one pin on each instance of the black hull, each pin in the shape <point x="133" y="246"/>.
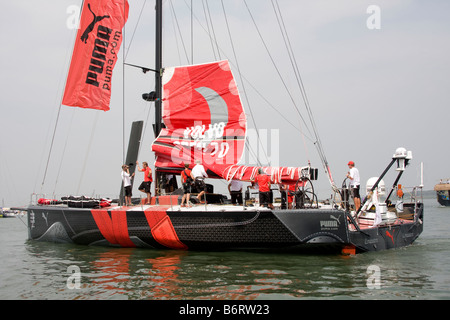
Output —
<point x="196" y="229"/>
<point x="443" y="198"/>
<point x="386" y="237"/>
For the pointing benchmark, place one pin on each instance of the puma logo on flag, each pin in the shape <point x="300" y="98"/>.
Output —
<point x="90" y="28"/>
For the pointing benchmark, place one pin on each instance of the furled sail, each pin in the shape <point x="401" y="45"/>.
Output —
<point x="278" y="175"/>
<point x="204" y="120"/>
<point x="95" y="54"/>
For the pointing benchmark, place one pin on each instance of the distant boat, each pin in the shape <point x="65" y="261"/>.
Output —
<point x="443" y="193"/>
<point x="7" y="213"/>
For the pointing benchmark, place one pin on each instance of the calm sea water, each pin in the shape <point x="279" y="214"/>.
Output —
<point x="34" y="270"/>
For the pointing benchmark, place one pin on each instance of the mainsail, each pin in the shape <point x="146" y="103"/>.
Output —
<point x="95" y="54"/>
<point x="203" y="116"/>
<point x="204" y="120"/>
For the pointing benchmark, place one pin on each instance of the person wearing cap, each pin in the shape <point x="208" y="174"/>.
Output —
<point x="353" y="176"/>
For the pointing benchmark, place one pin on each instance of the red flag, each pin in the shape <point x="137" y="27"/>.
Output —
<point x="95" y="54"/>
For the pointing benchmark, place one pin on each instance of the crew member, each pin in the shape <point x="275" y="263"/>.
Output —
<point x="198" y="174"/>
<point x="186" y="180"/>
<point x="146" y="185"/>
<point x="287" y="195"/>
<point x="126" y="179"/>
<point x="263" y="182"/>
<point x="235" y="189"/>
<point x="353" y="176"/>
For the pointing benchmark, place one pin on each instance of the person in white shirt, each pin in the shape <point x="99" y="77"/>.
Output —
<point x="126" y="178"/>
<point x="198" y="174"/>
<point x="198" y="171"/>
<point x="353" y="176"/>
<point x="235" y="189"/>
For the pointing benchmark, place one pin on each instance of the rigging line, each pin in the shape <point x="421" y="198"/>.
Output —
<point x="60" y="105"/>
<point x="123" y="98"/>
<point x="301" y="86"/>
<point x="145" y="128"/>
<point x="123" y="91"/>
<point x="64" y="152"/>
<point x="51" y="145"/>
<point x="290" y="54"/>
<point x="191" y="9"/>
<point x="209" y="31"/>
<point x="251" y="152"/>
<point x="135" y="28"/>
<point x="289" y="50"/>
<point x="68" y="133"/>
<point x="192" y="32"/>
<point x="213" y="38"/>
<point x="243" y="85"/>
<point x="297" y="73"/>
<point x="176" y="37"/>
<point x="318" y="143"/>
<point x="213" y="30"/>
<point x="179" y="31"/>
<point x="278" y="111"/>
<point x="274" y="64"/>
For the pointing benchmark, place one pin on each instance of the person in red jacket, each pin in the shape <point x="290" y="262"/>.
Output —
<point x="263" y="181"/>
<point x="147" y="183"/>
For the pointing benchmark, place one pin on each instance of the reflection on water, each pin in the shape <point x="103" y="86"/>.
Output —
<point x="36" y="270"/>
<point x="152" y="274"/>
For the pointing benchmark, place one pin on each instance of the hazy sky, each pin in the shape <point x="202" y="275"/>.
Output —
<point x="371" y="89"/>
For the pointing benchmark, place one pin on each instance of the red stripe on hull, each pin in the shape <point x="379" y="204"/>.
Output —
<point x="105" y="225"/>
<point x="162" y="228"/>
<point x="114" y="229"/>
<point x="120" y="226"/>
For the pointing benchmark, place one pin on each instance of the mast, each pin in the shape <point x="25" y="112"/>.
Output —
<point x="158" y="88"/>
<point x="158" y="67"/>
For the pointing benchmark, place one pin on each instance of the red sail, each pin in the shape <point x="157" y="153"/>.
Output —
<point x="203" y="115"/>
<point x="205" y="121"/>
<point x="95" y="54"/>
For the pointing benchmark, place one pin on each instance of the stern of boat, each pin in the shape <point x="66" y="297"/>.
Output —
<point x="315" y="227"/>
